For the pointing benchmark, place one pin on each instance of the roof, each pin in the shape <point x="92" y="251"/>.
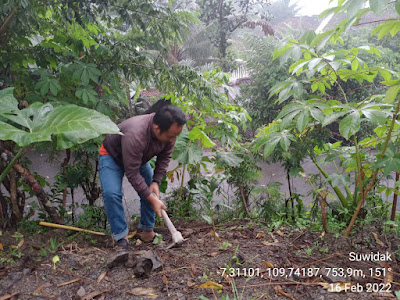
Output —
<point x="150" y="93"/>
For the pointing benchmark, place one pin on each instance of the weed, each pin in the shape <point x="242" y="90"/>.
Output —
<point x="225" y="246"/>
<point x="18" y="236"/>
<point x="54" y="245"/>
<point x="14" y="252"/>
<point x="324" y="250"/>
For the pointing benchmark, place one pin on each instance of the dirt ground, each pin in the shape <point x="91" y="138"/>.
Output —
<point x="242" y="259"/>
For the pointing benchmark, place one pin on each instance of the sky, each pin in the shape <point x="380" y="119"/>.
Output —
<point x="312" y="7"/>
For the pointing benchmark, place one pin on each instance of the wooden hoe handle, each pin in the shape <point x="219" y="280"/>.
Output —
<point x="69" y="228"/>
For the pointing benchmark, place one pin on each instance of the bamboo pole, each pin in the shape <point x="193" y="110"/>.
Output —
<point x="69" y="228"/>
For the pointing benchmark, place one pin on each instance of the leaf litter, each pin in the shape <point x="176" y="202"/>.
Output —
<point x="256" y="262"/>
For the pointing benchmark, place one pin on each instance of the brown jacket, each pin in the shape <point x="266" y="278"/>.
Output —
<point x="136" y="147"/>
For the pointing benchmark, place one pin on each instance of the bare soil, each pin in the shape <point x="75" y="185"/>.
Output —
<point x="302" y="263"/>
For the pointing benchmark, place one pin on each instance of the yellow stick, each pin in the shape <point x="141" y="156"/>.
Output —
<point x="69" y="228"/>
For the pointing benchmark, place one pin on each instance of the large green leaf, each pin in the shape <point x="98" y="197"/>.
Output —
<point x="331" y="117"/>
<point x="375" y="115"/>
<point x="197" y="134"/>
<point x="7" y="101"/>
<point x="228" y="158"/>
<point x="9" y="132"/>
<point x="284" y="138"/>
<point x="270" y="145"/>
<point x="74" y="125"/>
<point x="186" y="151"/>
<point x="350" y="124"/>
<point x="302" y="120"/>
<point x="338" y="179"/>
<point x="390" y="162"/>
<point x="391" y="93"/>
<point x="67" y="124"/>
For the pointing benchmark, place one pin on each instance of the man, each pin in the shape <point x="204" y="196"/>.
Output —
<point x="144" y="137"/>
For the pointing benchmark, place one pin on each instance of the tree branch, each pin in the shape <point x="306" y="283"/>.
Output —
<point x="7" y="21"/>
<point x="377" y="21"/>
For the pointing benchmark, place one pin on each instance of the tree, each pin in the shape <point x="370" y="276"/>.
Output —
<point x="281" y="10"/>
<point x="68" y="66"/>
<point x="317" y="71"/>
<point x="223" y="17"/>
<point x="265" y="73"/>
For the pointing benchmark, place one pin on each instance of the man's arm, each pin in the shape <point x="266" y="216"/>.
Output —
<point x="162" y="162"/>
<point x="132" y="153"/>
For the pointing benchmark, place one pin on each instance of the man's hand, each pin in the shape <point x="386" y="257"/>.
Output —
<point x="157" y="204"/>
<point x="154" y="188"/>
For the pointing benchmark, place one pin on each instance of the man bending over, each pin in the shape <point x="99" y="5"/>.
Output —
<point x="144" y="137"/>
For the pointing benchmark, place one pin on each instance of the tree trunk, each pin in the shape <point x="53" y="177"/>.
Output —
<point x="394" y="206"/>
<point x="3" y="210"/>
<point x="291" y="195"/>
<point x="13" y="197"/>
<point x="64" y="170"/>
<point x="323" y="195"/>
<point x="244" y="199"/>
<point x="35" y="186"/>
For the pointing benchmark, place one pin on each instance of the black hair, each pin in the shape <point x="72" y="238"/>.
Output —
<point x="157" y="106"/>
<point x="168" y="115"/>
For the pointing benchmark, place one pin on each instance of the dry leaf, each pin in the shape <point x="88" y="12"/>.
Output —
<point x="101" y="277"/>
<point x="280" y="292"/>
<point x="213" y="254"/>
<point x="280" y="233"/>
<point x="216" y="235"/>
<point x="21" y="242"/>
<point x="132" y="234"/>
<point x="165" y="280"/>
<point x="269" y="243"/>
<point x="8" y="296"/>
<point x="1" y="247"/>
<point x="91" y="295"/>
<point x="193" y="268"/>
<point x="260" y="235"/>
<point x="337" y="287"/>
<point x="378" y="240"/>
<point x="190" y="284"/>
<point x="267" y="264"/>
<point x="211" y="285"/>
<point x="145" y="292"/>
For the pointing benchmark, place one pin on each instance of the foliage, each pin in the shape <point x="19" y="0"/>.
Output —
<point x="66" y="125"/>
<point x="224" y="17"/>
<point x="282" y="9"/>
<point x="265" y="73"/>
<point x="81" y="59"/>
<point x="310" y="108"/>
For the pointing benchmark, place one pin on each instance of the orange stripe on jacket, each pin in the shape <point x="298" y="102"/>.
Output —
<point x="103" y="151"/>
